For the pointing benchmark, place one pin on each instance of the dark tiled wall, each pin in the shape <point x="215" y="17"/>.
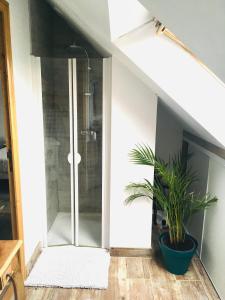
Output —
<point x="51" y="34"/>
<point x="62" y="131"/>
<point x="51" y="143"/>
<point x="55" y="89"/>
<point x="41" y="27"/>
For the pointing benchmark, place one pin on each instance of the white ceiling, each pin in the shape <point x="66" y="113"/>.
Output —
<point x="199" y="24"/>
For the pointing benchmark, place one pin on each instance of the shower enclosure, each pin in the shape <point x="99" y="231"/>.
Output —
<point x="72" y="113"/>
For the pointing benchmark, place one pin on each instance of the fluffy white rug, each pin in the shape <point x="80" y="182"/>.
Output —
<point x="71" y="267"/>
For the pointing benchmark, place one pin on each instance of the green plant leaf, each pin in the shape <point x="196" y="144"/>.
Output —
<point x="171" y="190"/>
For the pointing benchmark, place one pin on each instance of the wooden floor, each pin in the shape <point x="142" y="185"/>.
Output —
<point x="139" y="278"/>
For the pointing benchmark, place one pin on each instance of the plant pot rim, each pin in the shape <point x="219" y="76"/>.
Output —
<point x="195" y="243"/>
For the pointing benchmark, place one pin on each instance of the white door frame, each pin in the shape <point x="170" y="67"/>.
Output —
<point x="106" y="145"/>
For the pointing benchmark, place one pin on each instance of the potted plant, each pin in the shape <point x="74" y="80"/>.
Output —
<point x="176" y="200"/>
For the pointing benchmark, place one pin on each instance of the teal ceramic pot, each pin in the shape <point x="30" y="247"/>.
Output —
<point x="176" y="261"/>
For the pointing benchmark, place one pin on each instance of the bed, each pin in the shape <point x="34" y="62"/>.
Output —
<point x="3" y="163"/>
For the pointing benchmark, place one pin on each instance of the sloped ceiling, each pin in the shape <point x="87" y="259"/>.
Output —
<point x="93" y="19"/>
<point x="200" y="25"/>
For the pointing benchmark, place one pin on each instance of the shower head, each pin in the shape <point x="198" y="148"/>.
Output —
<point x="74" y="46"/>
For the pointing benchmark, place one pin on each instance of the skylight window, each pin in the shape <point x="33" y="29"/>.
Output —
<point x="169" y="64"/>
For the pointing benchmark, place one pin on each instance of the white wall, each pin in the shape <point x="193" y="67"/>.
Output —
<point x="28" y="121"/>
<point x="169" y="133"/>
<point x="133" y="120"/>
<point x="213" y="248"/>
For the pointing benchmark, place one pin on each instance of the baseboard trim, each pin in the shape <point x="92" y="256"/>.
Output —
<point x="33" y="259"/>
<point x="130" y="252"/>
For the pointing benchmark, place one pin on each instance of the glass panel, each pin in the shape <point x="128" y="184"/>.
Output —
<point x="89" y="107"/>
<point x="5" y="212"/>
<point x="55" y="94"/>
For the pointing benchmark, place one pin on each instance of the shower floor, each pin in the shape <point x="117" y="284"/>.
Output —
<point x="89" y="230"/>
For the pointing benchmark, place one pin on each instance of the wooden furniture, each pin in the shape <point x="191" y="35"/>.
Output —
<point x="8" y="94"/>
<point x="11" y="278"/>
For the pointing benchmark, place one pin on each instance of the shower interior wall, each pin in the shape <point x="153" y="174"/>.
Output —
<point x="57" y="140"/>
<point x="51" y="111"/>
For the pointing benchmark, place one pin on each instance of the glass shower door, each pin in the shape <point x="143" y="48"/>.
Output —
<point x="89" y="139"/>
<point x="58" y="139"/>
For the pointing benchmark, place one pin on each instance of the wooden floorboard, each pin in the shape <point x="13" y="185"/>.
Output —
<point x="142" y="278"/>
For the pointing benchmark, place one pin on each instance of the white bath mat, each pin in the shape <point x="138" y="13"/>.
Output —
<point x="71" y="267"/>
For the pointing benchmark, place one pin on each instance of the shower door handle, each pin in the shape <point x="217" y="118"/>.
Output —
<point x="77" y="158"/>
